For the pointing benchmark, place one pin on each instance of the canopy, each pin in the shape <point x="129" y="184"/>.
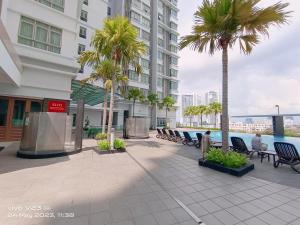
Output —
<point x="90" y="94"/>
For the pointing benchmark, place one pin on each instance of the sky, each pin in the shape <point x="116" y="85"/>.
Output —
<point x="269" y="76"/>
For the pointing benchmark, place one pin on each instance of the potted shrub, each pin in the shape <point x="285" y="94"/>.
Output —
<point x="103" y="147"/>
<point x="101" y="136"/>
<point x="227" y="162"/>
<point x="119" y="145"/>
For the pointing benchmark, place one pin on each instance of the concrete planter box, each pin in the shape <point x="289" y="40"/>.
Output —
<point x="233" y="171"/>
<point x="100" y="152"/>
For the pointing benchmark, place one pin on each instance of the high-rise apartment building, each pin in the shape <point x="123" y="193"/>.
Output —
<point x="156" y="22"/>
<point x="210" y="97"/>
<point x="186" y="101"/>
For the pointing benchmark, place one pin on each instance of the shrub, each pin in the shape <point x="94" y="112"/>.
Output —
<point x="229" y="159"/>
<point x="119" y="144"/>
<point x="101" y="136"/>
<point x="104" y="145"/>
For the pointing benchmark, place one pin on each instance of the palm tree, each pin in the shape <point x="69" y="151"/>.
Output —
<point x="135" y="94"/>
<point x="215" y="108"/>
<point x="117" y="41"/>
<point x="103" y="71"/>
<point x="219" y="24"/>
<point x="200" y="111"/>
<point x="152" y="100"/>
<point x="190" y="111"/>
<point x="168" y="102"/>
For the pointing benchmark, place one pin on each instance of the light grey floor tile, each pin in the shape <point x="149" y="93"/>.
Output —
<point x="222" y="202"/>
<point x="239" y="213"/>
<point x="283" y="215"/>
<point x="210" y="206"/>
<point x="270" y="219"/>
<point x="145" y="220"/>
<point x="180" y="214"/>
<point x="165" y="218"/>
<point x="211" y="220"/>
<point x="226" y="218"/>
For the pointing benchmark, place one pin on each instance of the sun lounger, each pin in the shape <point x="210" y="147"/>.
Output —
<point x="188" y="139"/>
<point x="287" y="154"/>
<point x="172" y="136"/>
<point x="238" y="145"/>
<point x="178" y="136"/>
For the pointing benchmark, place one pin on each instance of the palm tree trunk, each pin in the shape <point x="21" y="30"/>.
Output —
<point x="111" y="108"/>
<point x="133" y="107"/>
<point x="190" y="121"/>
<point x="104" y="112"/>
<point x="225" y="122"/>
<point x="166" y="117"/>
<point x="215" y="120"/>
<point x="201" y="119"/>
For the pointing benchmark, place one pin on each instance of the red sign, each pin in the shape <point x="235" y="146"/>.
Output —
<point x="57" y="106"/>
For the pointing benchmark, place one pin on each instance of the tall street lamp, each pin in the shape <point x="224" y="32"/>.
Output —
<point x="277" y="106"/>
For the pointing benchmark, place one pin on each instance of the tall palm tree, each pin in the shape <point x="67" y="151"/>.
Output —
<point x="215" y="108"/>
<point x="134" y="94"/>
<point x="117" y="41"/>
<point x="219" y="24"/>
<point x="168" y="102"/>
<point x="152" y="100"/>
<point x="102" y="71"/>
<point x="200" y="111"/>
<point x="190" y="111"/>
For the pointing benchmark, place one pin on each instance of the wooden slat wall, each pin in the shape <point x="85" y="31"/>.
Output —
<point x="2" y="133"/>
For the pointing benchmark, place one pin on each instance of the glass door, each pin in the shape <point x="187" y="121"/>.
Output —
<point x="3" y="112"/>
<point x="18" y="113"/>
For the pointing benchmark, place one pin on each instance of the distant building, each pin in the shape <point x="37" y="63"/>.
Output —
<point x="186" y="101"/>
<point x="249" y="120"/>
<point x="210" y="97"/>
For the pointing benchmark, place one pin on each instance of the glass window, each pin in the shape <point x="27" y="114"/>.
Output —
<point x="83" y="15"/>
<point x="135" y="16"/>
<point x="145" y="64"/>
<point x="145" y="78"/>
<point x="173" y="25"/>
<point x="159" y="95"/>
<point x="81" y="48"/>
<point x="173" y="48"/>
<point x="160" y="68"/>
<point x="160" y="55"/>
<point x="39" y="35"/>
<point x="160" y="42"/>
<point x="145" y="35"/>
<point x="160" y="5"/>
<point x="173" y="37"/>
<point x="146" y="9"/>
<point x="159" y="82"/>
<point x="173" y="85"/>
<point x="136" y="3"/>
<point x="55" y="4"/>
<point x="74" y="120"/>
<point x="82" y="32"/>
<point x="160" y="30"/>
<point x="173" y="13"/>
<point x="174" y="61"/>
<point x="173" y="73"/>
<point x="86" y="2"/>
<point x="36" y="107"/>
<point x="161" y="122"/>
<point x="108" y="11"/>
<point x="18" y="113"/>
<point x="145" y="22"/>
<point x="133" y="75"/>
<point x="3" y="111"/>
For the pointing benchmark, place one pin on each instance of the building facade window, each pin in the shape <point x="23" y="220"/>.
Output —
<point x="160" y="5"/>
<point x="84" y="15"/>
<point x="160" y="55"/>
<point x="173" y="25"/>
<point x="55" y="4"/>
<point x="174" y="61"/>
<point x="161" y="122"/>
<point x="108" y="11"/>
<point x="173" y="13"/>
<point x="173" y="73"/>
<point x="146" y="9"/>
<point x="173" y="48"/>
<point x="173" y="85"/>
<point x="173" y="37"/>
<point x="147" y="50"/>
<point x="145" y="78"/>
<point x="135" y="16"/>
<point x="146" y="22"/>
<point x="136" y="3"/>
<point x="160" y="42"/>
<point x="133" y="75"/>
<point x="145" y="64"/>
<point x="160" y="30"/>
<point x="145" y="35"/>
<point x="160" y="68"/>
<point x="39" y="35"/>
<point x="86" y="2"/>
<point x="81" y="48"/>
<point x="82" y="32"/>
<point x="159" y="82"/>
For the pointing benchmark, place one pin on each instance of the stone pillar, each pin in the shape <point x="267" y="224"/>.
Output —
<point x="278" y="125"/>
<point x="79" y="125"/>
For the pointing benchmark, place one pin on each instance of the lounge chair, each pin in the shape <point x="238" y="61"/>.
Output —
<point x="199" y="137"/>
<point x="159" y="133"/>
<point x="1" y="148"/>
<point x="188" y="139"/>
<point x="172" y="136"/>
<point x="287" y="154"/>
<point x="165" y="134"/>
<point x="178" y="136"/>
<point x="238" y="145"/>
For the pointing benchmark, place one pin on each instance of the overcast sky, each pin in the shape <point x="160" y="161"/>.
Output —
<point x="269" y="76"/>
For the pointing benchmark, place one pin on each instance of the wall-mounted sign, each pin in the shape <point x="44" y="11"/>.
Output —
<point x="57" y="106"/>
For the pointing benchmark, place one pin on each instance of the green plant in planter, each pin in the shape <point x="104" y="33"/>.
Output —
<point x="103" y="145"/>
<point x="119" y="144"/>
<point x="229" y="159"/>
<point x="234" y="160"/>
<point x="101" y="136"/>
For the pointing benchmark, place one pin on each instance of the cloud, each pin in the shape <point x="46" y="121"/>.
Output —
<point x="269" y="76"/>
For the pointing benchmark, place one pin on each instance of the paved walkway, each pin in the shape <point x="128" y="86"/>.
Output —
<point x="141" y="187"/>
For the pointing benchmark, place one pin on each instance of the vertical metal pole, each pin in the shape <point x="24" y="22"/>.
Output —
<point x="79" y="125"/>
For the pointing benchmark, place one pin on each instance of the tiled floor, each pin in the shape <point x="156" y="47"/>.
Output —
<point x="136" y="188"/>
